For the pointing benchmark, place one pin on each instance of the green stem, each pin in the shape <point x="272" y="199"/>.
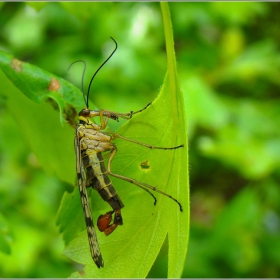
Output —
<point x="168" y="32"/>
<point x="171" y="62"/>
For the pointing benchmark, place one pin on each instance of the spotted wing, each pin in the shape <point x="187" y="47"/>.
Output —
<point x="92" y="238"/>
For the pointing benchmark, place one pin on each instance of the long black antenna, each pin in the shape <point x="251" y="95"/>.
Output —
<point x="99" y="69"/>
<point x="86" y="97"/>
<point x="83" y="75"/>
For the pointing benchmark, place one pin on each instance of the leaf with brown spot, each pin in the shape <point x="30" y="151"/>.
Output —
<point x="38" y="84"/>
<point x="54" y="85"/>
<point x="29" y="91"/>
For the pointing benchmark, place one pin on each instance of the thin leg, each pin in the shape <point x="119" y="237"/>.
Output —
<point x="139" y="111"/>
<point x="114" y="115"/>
<point x="137" y="183"/>
<point x="103" y="123"/>
<point x="115" y="135"/>
<point x="155" y="200"/>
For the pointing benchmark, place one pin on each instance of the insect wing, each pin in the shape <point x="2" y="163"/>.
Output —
<point x="92" y="238"/>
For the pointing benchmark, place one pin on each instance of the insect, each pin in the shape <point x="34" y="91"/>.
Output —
<point x="90" y="143"/>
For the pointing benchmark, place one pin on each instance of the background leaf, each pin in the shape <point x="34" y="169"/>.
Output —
<point x="35" y="84"/>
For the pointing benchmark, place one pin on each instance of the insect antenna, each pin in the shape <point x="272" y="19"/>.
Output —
<point x="99" y="69"/>
<point x="86" y="97"/>
<point x="83" y="75"/>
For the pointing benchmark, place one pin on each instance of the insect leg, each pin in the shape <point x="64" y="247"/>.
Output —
<point x="137" y="183"/>
<point x="139" y="111"/>
<point x="104" y="221"/>
<point x="126" y="115"/>
<point x="115" y="115"/>
<point x="102" y="121"/>
<point x="115" y="135"/>
<point x="110" y="154"/>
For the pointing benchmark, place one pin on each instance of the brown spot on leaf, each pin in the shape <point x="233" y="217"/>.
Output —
<point x="145" y="164"/>
<point x="54" y="85"/>
<point x="16" y="65"/>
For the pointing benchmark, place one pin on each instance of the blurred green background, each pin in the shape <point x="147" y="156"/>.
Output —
<point x="229" y="68"/>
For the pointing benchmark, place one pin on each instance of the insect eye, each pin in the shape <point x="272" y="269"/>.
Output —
<point x="84" y="113"/>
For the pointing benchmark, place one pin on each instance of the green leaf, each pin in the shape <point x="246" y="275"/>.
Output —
<point x="70" y="216"/>
<point x="5" y="235"/>
<point x="40" y="124"/>
<point x="39" y="85"/>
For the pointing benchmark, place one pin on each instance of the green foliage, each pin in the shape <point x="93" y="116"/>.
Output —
<point x="4" y="237"/>
<point x="38" y="85"/>
<point x="30" y="115"/>
<point x="228" y="64"/>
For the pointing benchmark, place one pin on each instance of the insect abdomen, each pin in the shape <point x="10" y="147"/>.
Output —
<point x="98" y="179"/>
